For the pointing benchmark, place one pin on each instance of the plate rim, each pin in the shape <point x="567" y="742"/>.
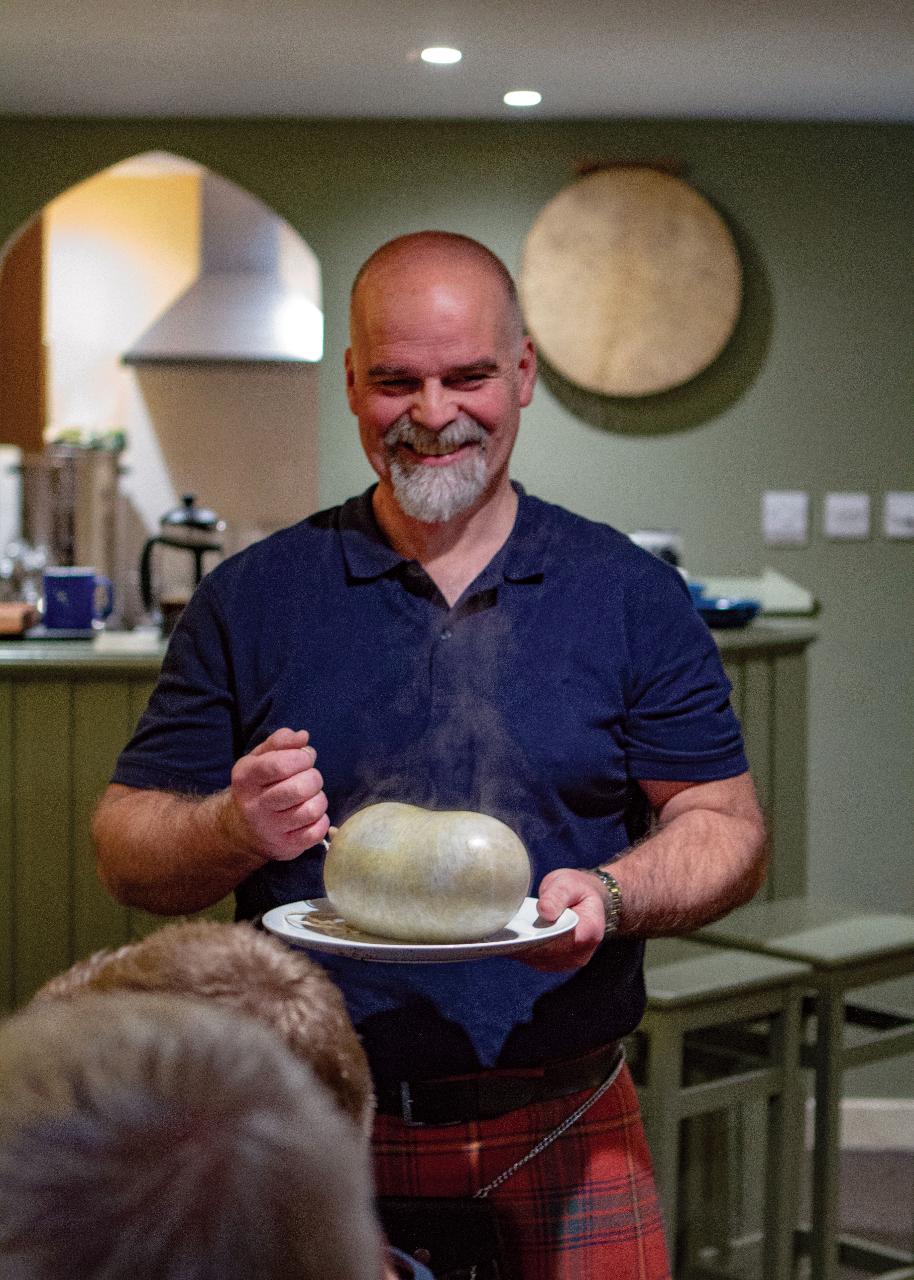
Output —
<point x="396" y="951"/>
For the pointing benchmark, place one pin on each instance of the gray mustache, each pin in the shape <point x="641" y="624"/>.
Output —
<point x="449" y="437"/>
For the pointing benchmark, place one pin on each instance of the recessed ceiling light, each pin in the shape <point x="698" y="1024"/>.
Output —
<point x="522" y="98"/>
<point x="440" y="54"/>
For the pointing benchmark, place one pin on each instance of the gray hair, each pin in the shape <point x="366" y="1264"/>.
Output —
<point x="147" y="1137"/>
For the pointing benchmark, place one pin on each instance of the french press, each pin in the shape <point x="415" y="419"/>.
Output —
<point x="195" y="530"/>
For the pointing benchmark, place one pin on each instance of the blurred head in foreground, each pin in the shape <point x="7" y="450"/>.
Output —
<point x="160" y="1138"/>
<point x="243" y="969"/>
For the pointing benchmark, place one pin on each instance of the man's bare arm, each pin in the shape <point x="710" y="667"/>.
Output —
<point x="172" y="853"/>
<point x="706" y="856"/>
<point x="169" y="853"/>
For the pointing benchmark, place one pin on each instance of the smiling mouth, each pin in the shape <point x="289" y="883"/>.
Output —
<point x="437" y="453"/>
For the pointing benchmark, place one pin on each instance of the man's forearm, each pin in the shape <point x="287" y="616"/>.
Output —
<point x="170" y="853"/>
<point x="706" y="856"/>
<point x="693" y="869"/>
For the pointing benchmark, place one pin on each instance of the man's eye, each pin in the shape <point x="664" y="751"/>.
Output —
<point x="470" y="381"/>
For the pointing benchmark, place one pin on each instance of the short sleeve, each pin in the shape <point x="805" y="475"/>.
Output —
<point x="185" y="738"/>
<point x="679" y="724"/>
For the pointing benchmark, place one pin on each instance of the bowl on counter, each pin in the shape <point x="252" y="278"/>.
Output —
<point x="726" y="611"/>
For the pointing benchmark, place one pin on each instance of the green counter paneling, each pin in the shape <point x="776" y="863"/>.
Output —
<point x="65" y="713"/>
<point x="43" y="817"/>
<point x="102" y="719"/>
<point x="768" y="669"/>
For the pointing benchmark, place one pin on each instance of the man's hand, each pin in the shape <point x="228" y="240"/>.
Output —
<point x="172" y="853"/>
<point x="587" y="898"/>
<point x="278" y="796"/>
<point x="706" y="856"/>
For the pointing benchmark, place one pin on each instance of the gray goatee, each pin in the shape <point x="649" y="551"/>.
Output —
<point x="434" y="495"/>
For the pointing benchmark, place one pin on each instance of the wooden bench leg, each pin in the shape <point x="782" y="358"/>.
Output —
<point x="826" y="1168"/>
<point x="661" y="1117"/>
<point x="785" y="1145"/>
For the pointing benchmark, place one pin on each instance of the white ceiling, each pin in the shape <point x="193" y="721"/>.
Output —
<point x="763" y="59"/>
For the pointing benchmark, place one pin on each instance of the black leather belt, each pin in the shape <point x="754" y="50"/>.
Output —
<point x="454" y="1101"/>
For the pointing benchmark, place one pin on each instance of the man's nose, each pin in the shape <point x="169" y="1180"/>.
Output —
<point x="433" y="406"/>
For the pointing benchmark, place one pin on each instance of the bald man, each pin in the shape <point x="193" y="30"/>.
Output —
<point x="447" y="640"/>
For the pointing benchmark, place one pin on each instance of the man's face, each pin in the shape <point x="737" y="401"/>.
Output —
<point x="437" y="375"/>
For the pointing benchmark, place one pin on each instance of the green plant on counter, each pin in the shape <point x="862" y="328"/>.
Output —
<point x="113" y="440"/>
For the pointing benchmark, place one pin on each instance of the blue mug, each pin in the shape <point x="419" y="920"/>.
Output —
<point x="76" y="598"/>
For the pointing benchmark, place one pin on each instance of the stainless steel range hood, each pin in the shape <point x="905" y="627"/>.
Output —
<point x="247" y="304"/>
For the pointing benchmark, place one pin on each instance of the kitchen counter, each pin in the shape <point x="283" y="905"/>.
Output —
<point x="138" y="651"/>
<point x="68" y="706"/>
<point x="144" y="650"/>
<point x="766" y="635"/>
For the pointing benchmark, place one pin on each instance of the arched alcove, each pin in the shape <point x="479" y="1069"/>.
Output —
<point x="233" y="421"/>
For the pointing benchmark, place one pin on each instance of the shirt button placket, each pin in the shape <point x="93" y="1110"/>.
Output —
<point x="443" y="657"/>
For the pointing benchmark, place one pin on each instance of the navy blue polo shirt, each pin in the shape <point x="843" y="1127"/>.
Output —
<point x="574" y="665"/>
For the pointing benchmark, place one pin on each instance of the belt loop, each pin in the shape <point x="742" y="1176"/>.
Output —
<point x="406" y="1105"/>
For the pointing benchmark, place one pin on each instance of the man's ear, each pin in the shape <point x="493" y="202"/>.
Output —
<point x="526" y="367"/>
<point x="350" y="379"/>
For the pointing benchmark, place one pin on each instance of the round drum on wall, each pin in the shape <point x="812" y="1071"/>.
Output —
<point x="630" y="282"/>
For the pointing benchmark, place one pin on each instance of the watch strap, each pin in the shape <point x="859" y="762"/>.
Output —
<point x="613" y="904"/>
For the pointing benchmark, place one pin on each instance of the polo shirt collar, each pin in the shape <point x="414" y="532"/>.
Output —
<point x="526" y="553"/>
<point x="368" y="554"/>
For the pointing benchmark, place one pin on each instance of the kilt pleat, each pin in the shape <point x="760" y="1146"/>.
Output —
<point x="586" y="1208"/>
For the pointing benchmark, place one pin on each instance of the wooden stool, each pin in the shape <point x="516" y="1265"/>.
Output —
<point x="722" y="993"/>
<point x="845" y="949"/>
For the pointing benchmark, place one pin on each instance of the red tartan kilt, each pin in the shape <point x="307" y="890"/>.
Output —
<point x="586" y="1208"/>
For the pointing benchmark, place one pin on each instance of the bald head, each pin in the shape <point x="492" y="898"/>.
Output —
<point x="422" y="256"/>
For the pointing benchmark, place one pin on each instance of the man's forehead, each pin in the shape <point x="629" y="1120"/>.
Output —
<point x="423" y="337"/>
<point x="416" y="340"/>
<point x="407" y="367"/>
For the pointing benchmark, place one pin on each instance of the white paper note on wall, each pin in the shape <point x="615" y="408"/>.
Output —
<point x="847" y="515"/>
<point x="898" y="516"/>
<point x="785" y="517"/>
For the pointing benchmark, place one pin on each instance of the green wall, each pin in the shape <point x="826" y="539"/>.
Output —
<point x="816" y="392"/>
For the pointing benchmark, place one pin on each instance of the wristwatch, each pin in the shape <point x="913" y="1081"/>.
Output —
<point x="613" y="905"/>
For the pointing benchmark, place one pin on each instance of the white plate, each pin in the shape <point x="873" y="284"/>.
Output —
<point x="315" y="925"/>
